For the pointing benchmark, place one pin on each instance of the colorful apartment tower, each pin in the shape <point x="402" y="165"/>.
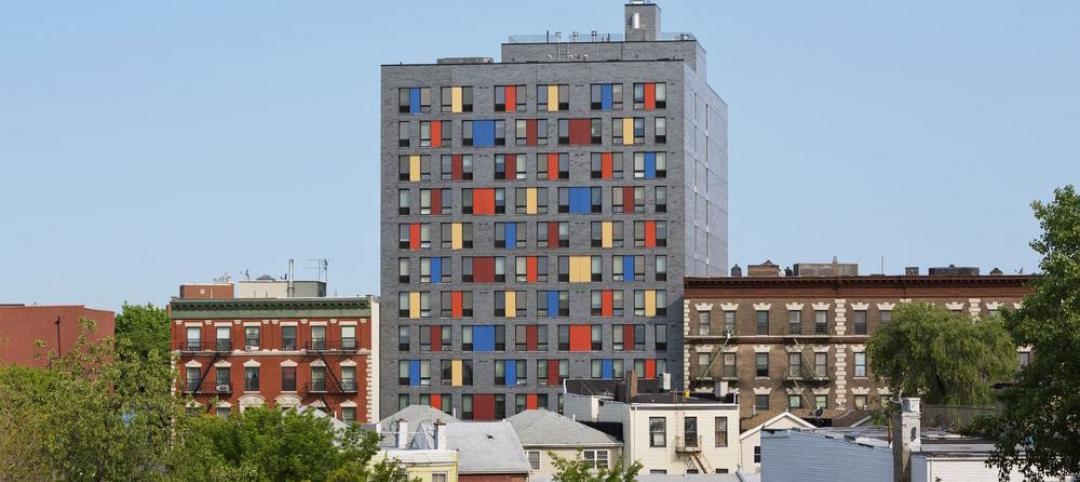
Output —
<point x="540" y="213"/>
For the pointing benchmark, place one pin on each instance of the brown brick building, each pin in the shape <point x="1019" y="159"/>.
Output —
<point x="238" y="353"/>
<point x="58" y="327"/>
<point x="797" y="342"/>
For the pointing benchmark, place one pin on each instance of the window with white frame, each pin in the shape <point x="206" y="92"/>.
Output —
<point x="595" y="459"/>
<point x="534" y="458"/>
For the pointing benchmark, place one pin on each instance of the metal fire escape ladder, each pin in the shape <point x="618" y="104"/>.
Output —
<point x="717" y="352"/>
<point x="333" y="378"/>
<point x="206" y="372"/>
<point x="702" y="462"/>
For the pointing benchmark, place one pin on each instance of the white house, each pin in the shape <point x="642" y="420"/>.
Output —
<point x="750" y="440"/>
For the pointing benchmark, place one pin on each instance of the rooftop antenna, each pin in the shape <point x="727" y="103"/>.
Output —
<point x="322" y="267"/>
<point x="247" y="274"/>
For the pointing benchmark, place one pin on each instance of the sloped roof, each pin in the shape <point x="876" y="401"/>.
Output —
<point x="487" y="448"/>
<point x="545" y="428"/>
<point x="413" y="415"/>
<point x="793" y="419"/>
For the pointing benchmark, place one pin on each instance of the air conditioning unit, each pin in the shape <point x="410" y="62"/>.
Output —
<point x="223" y="388"/>
<point x="251" y="347"/>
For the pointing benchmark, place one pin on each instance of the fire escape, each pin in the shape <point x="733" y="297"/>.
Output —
<point x="322" y="349"/>
<point x="807" y="375"/>
<point x="195" y="348"/>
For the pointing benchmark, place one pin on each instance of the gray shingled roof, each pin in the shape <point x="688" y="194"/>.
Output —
<point x="487" y="448"/>
<point x="544" y="428"/>
<point x="413" y="415"/>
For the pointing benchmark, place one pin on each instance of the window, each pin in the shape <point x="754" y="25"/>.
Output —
<point x="690" y="431"/>
<point x="348" y="415"/>
<point x="627" y="199"/>
<point x="821" y="362"/>
<point x="510" y="235"/>
<point x="762" y="318"/>
<point x="318" y="337"/>
<point x="729" y="322"/>
<point x="761" y="401"/>
<point x="194" y="335"/>
<point x="251" y="379"/>
<point x="703" y="323"/>
<point x="288" y="379"/>
<point x="886" y="315"/>
<point x="860" y="322"/>
<point x="403" y="338"/>
<point x="457" y="99"/>
<point x="318" y="379"/>
<point x="552" y="166"/>
<point x="660" y="272"/>
<point x="821" y="322"/>
<point x="860" y="364"/>
<point x="456" y="235"/>
<point x="606" y="165"/>
<point x="651" y="95"/>
<point x="595" y="459"/>
<point x="794" y="365"/>
<point x="761" y="364"/>
<point x="223" y="338"/>
<point x="456" y="167"/>
<point x="223" y="381"/>
<point x="483" y="133"/>
<point x="511" y="98"/>
<point x="414" y="100"/>
<point x="403" y="401"/>
<point x="414" y="168"/>
<point x="251" y="338"/>
<point x="1023" y="359"/>
<point x="729" y="365"/>
<point x="193" y="375"/>
<point x="860" y="402"/>
<point x="510" y="166"/>
<point x="222" y="411"/>
<point x="657" y="431"/>
<point x="703" y="363"/>
<point x="794" y="401"/>
<point x="650" y="165"/>
<point x="404" y="201"/>
<point x="757" y="454"/>
<point x="794" y="322"/>
<point x="721" y="433"/>
<point x="348" y="337"/>
<point x="404" y="133"/>
<point x="661" y="337"/>
<point x="579" y="132"/>
<point x="552" y="235"/>
<point x="552" y="97"/>
<point x="606" y="97"/>
<point x="531" y="132"/>
<point x="821" y="402"/>
<point x="534" y="459"/>
<point x="434" y="134"/>
<point x="660" y="200"/>
<point x="628" y="131"/>
<point x="660" y="130"/>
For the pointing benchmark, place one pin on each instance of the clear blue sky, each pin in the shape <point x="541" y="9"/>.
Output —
<point x="145" y="144"/>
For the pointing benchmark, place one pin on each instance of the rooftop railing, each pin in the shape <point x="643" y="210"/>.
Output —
<point x="592" y="37"/>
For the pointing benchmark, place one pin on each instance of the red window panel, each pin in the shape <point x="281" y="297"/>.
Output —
<point x="606" y="302"/>
<point x="606" y="170"/>
<point x="484" y="406"/>
<point x="650" y="96"/>
<point x="414" y="236"/>
<point x="650" y="234"/>
<point x="436" y="201"/>
<point x="511" y="167"/>
<point x="553" y="372"/>
<point x="531" y="337"/>
<point x="484" y="202"/>
<point x="436" y="340"/>
<point x="628" y="199"/>
<point x="650" y="368"/>
<point x="511" y="98"/>
<point x="531" y="133"/>
<point x="531" y="401"/>
<point x="456" y="167"/>
<point x="484" y="269"/>
<point x="553" y="234"/>
<point x="531" y="263"/>
<point x="436" y="134"/>
<point x="553" y="166"/>
<point x="628" y="337"/>
<point x="580" y="338"/>
<point x="436" y="400"/>
<point x="580" y="132"/>
<point x="455" y="305"/>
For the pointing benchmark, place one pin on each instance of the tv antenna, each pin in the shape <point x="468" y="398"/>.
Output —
<point x="321" y="267"/>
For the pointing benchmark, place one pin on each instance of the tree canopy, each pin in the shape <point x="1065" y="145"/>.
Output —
<point x="1038" y="432"/>
<point x="942" y="357"/>
<point x="579" y="470"/>
<point x="144" y="329"/>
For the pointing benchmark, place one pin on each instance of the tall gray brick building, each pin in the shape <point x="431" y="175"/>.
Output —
<point x="540" y="213"/>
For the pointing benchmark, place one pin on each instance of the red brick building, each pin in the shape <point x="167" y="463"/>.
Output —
<point x="21" y="327"/>
<point x="285" y="352"/>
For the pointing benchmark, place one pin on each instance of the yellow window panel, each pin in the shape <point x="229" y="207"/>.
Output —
<point x="455" y="99"/>
<point x="414" y="305"/>
<point x="530" y="200"/>
<point x="455" y="373"/>
<point x="607" y="234"/>
<point x="553" y="98"/>
<point x="580" y="269"/>
<point x="414" y="168"/>
<point x="650" y="302"/>
<point x="511" y="304"/>
<point x="627" y="131"/>
<point x="455" y="236"/>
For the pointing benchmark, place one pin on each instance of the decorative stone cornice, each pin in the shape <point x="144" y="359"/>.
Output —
<point x="794" y="391"/>
<point x="820" y="306"/>
<point x="860" y="306"/>
<point x="886" y="306"/>
<point x="820" y="348"/>
<point x="762" y="348"/>
<point x="268" y="308"/>
<point x="794" y="306"/>
<point x="954" y="305"/>
<point x="192" y="364"/>
<point x="729" y="306"/>
<point x="793" y="348"/>
<point x="762" y="306"/>
<point x="994" y="305"/>
<point x="289" y="363"/>
<point x="762" y="390"/>
<point x="860" y="390"/>
<point x="251" y="363"/>
<point x="703" y="306"/>
<point x="821" y="391"/>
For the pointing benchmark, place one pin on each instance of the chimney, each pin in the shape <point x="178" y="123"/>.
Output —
<point x="736" y="271"/>
<point x="631" y="386"/>
<point x="642" y="21"/>
<point x="402" y="434"/>
<point x="907" y="438"/>
<point x="440" y="435"/>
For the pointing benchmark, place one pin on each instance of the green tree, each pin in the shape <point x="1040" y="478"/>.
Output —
<point x="144" y="329"/>
<point x="264" y="444"/>
<point x="1038" y="432"/>
<point x="578" y="470"/>
<point x="940" y="356"/>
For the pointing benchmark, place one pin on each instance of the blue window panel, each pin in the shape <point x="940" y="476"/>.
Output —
<point x="414" y="373"/>
<point x="483" y="338"/>
<point x="607" y="369"/>
<point x="650" y="165"/>
<point x="511" y="235"/>
<point x="580" y="201"/>
<point x="628" y="268"/>
<point x="436" y="270"/>
<point x="483" y="133"/>
<point x="511" y="373"/>
<point x="553" y="304"/>
<point x="605" y="97"/>
<point x="414" y="100"/>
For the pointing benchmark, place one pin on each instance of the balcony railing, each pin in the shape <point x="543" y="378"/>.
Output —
<point x="319" y="345"/>
<point x="688" y="444"/>
<point x="223" y="345"/>
<point x="191" y="346"/>
<point x="326" y="386"/>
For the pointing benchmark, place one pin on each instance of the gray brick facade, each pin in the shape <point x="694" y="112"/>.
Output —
<point x="695" y="215"/>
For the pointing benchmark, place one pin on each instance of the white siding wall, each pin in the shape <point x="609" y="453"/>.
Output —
<point x="636" y="436"/>
<point x="949" y="469"/>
